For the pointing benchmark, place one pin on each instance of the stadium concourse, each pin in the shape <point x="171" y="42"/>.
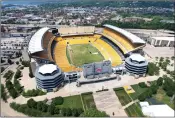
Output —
<point x="49" y="47"/>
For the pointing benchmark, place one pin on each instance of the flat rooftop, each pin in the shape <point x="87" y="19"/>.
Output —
<point x="164" y="38"/>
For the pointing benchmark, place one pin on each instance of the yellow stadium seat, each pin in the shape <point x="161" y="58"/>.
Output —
<point x="121" y="39"/>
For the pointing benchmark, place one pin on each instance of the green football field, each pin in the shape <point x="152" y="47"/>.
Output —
<point x="80" y="54"/>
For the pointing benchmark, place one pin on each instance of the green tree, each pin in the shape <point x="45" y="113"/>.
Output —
<point x="160" y="81"/>
<point x="32" y="103"/>
<point x="58" y="100"/>
<point x="44" y="107"/>
<point x="30" y="72"/>
<point x="18" y="74"/>
<point x="2" y="69"/>
<point x="154" y="89"/>
<point x="142" y="97"/>
<point x="142" y="85"/>
<point x="152" y="69"/>
<point x="57" y="110"/>
<point x="39" y="105"/>
<point x="75" y="112"/>
<point x="94" y="113"/>
<point x="170" y="93"/>
<point x="68" y="112"/>
<point x="3" y="93"/>
<point x="51" y="109"/>
<point x="161" y="59"/>
<point x="17" y="63"/>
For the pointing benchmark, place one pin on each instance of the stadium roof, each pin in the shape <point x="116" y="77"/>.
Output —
<point x="47" y="68"/>
<point x="137" y="57"/>
<point x="133" y="38"/>
<point x="35" y="44"/>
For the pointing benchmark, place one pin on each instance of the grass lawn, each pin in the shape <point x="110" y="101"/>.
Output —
<point x="83" y="54"/>
<point x="138" y="90"/>
<point x="88" y="101"/>
<point x="72" y="102"/>
<point x="162" y="97"/>
<point x="134" y="111"/>
<point x="123" y="97"/>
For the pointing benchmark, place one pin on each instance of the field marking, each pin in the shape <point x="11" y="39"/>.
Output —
<point x="70" y="55"/>
<point x="95" y="53"/>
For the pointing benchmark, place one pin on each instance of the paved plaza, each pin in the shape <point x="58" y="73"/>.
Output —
<point x="158" y="51"/>
<point x="108" y="101"/>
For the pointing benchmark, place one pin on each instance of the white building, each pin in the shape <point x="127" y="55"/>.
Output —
<point x="162" y="41"/>
<point x="156" y="110"/>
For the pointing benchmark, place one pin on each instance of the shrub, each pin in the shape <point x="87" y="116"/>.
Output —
<point x="30" y="72"/>
<point x="142" y="85"/>
<point x="18" y="74"/>
<point x="58" y="101"/>
<point x="31" y="103"/>
<point x="75" y="113"/>
<point x="39" y="105"/>
<point x="8" y="75"/>
<point x="160" y="81"/>
<point x="2" y="69"/>
<point x="33" y="92"/>
<point x="26" y="63"/>
<point x="11" y="89"/>
<point x="94" y="113"/>
<point x="117" y="89"/>
<point x="3" y="93"/>
<point x="17" y="62"/>
<point x="142" y="97"/>
<point x="44" y="107"/>
<point x="152" y="69"/>
<point x="154" y="89"/>
<point x="57" y="110"/>
<point x="21" y="68"/>
<point x="18" y="86"/>
<point x="10" y="61"/>
<point x="51" y="109"/>
<point x="170" y="93"/>
<point x="87" y="93"/>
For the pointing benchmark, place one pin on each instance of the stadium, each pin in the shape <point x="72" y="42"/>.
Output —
<point x="70" y="48"/>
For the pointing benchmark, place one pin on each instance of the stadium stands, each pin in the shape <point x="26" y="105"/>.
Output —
<point x="108" y="52"/>
<point x="126" y="47"/>
<point x="65" y="31"/>
<point x="49" y="49"/>
<point x="46" y="38"/>
<point x="114" y="46"/>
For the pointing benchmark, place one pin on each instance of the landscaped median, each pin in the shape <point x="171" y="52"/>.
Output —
<point x="122" y="96"/>
<point x="88" y="100"/>
<point x="134" y="110"/>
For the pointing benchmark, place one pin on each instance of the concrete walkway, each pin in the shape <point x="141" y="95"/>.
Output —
<point x="129" y="104"/>
<point x="108" y="101"/>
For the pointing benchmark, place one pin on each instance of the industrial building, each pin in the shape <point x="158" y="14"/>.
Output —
<point x="162" y="41"/>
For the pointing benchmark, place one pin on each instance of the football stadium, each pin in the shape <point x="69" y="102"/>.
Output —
<point x="72" y="48"/>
